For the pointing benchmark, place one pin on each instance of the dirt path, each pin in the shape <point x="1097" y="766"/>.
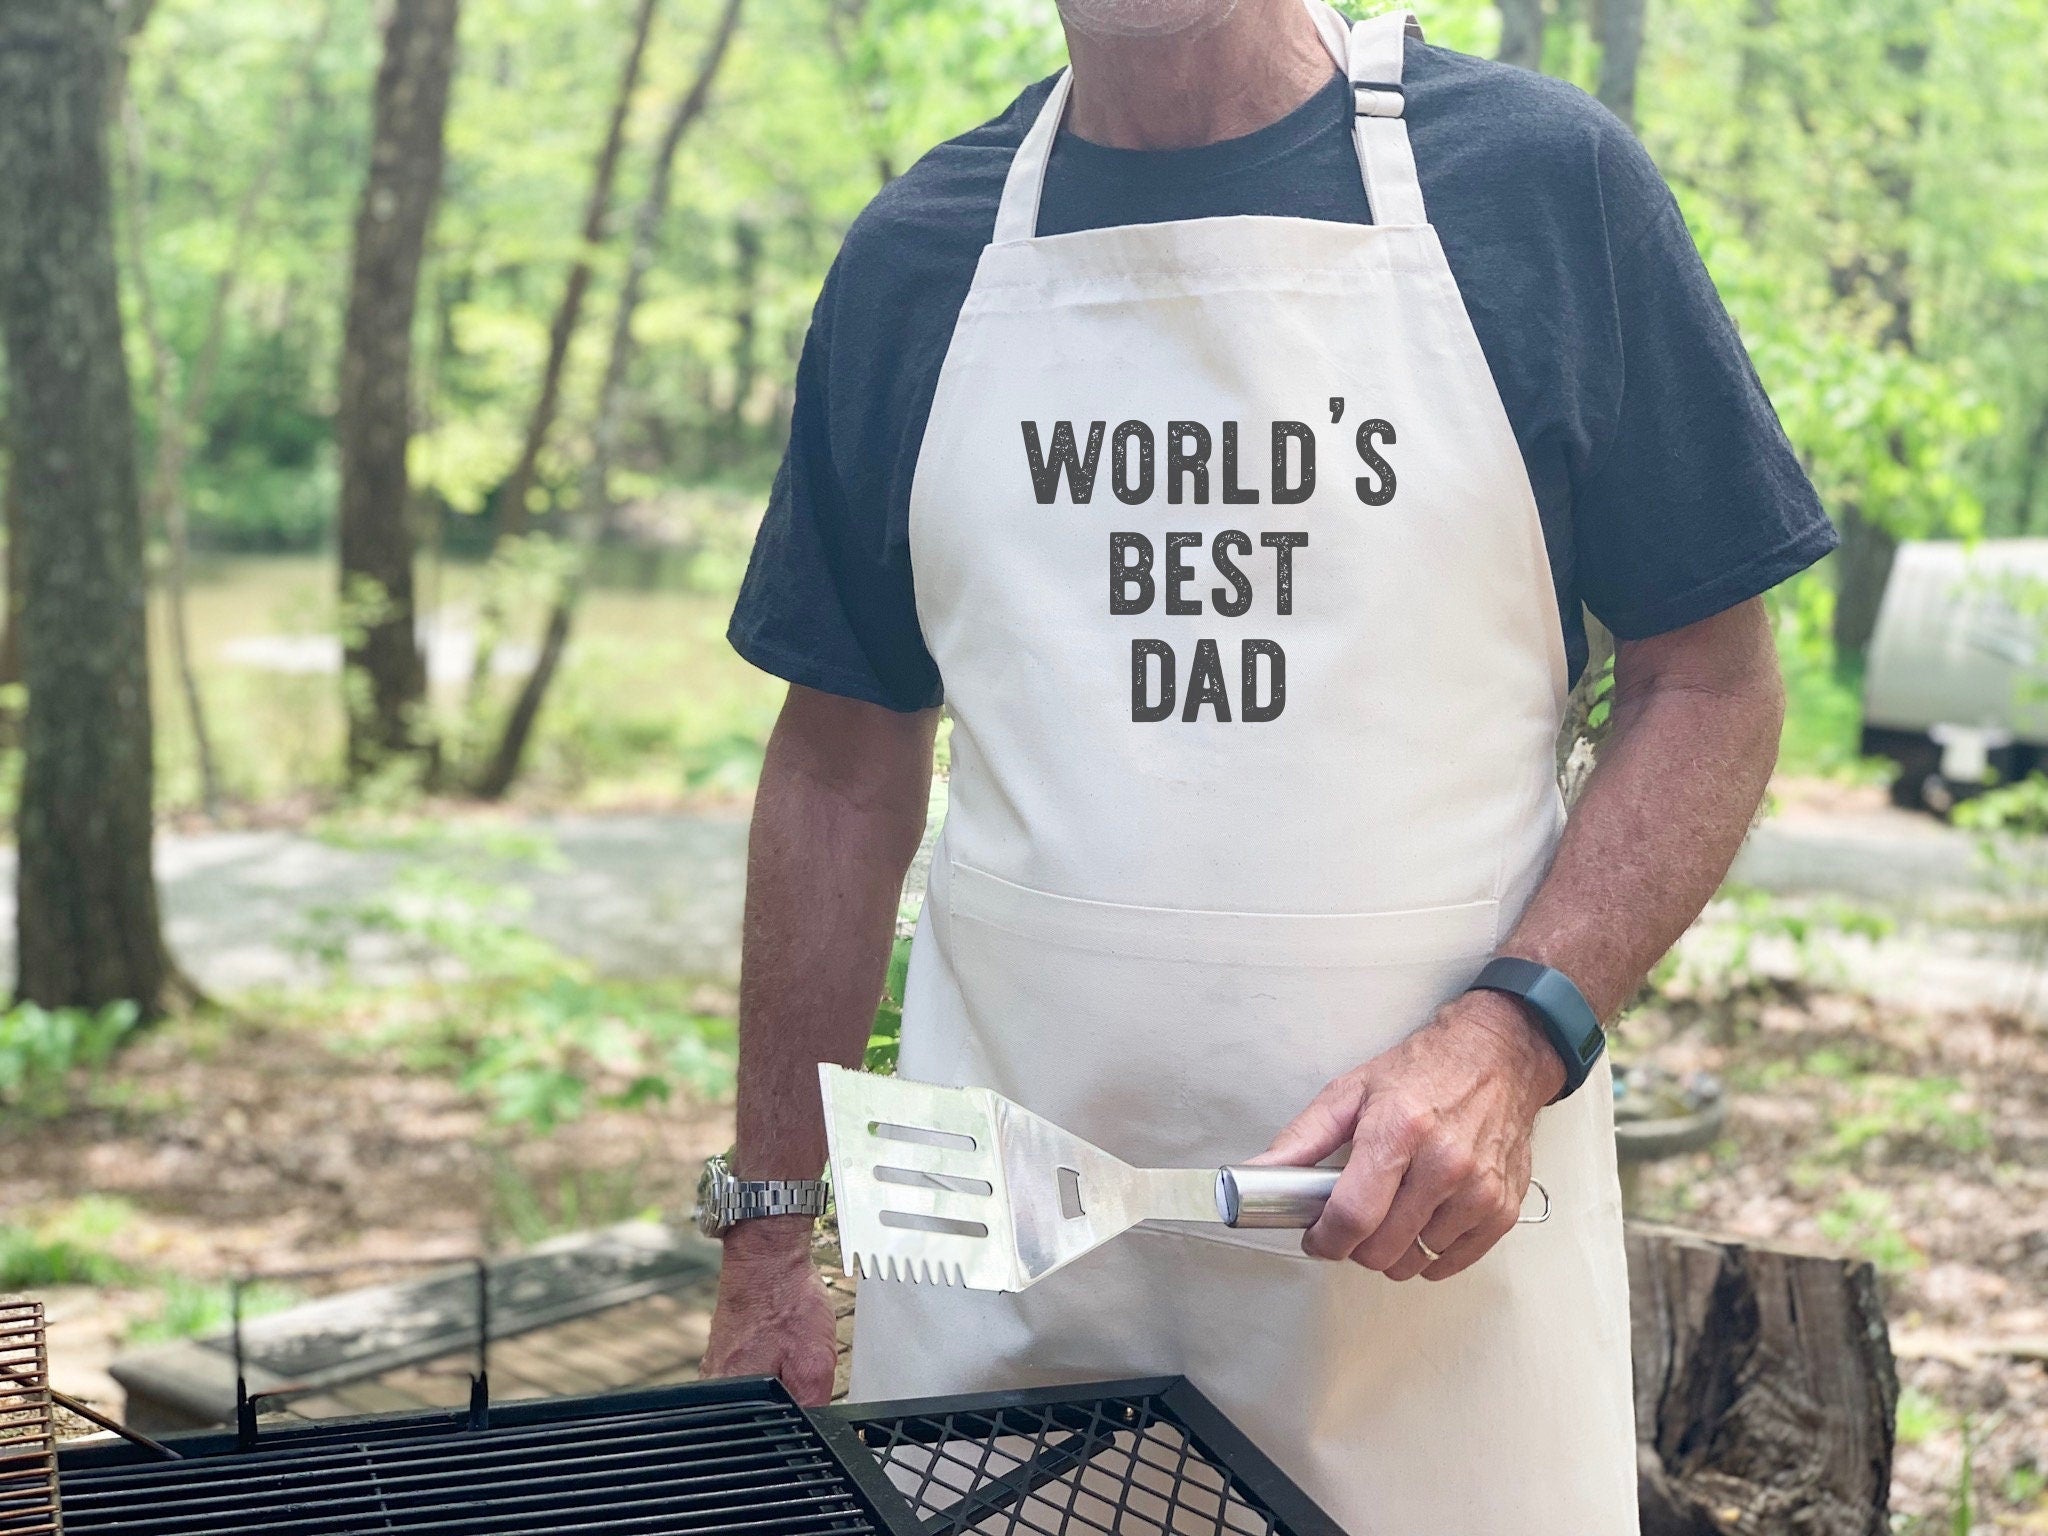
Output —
<point x="659" y="894"/>
<point x="635" y="895"/>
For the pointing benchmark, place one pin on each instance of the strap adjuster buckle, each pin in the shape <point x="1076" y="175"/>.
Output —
<point x="1378" y="98"/>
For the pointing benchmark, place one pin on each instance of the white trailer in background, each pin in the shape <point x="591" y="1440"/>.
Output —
<point x="1955" y="687"/>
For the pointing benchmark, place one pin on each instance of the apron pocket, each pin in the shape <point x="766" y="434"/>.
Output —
<point x="1172" y="1037"/>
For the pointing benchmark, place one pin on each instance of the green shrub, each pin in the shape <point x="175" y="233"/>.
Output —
<point x="43" y="1050"/>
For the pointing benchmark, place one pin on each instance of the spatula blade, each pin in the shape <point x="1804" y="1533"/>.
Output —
<point x="918" y="1182"/>
<point x="961" y="1186"/>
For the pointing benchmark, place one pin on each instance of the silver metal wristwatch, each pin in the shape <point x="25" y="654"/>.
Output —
<point x="723" y="1199"/>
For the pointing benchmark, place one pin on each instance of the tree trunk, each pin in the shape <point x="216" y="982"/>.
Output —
<point x="87" y="925"/>
<point x="512" y="498"/>
<point x="502" y="768"/>
<point x="10" y="528"/>
<point x="1578" y="737"/>
<point x="384" y="682"/>
<point x="746" y="239"/>
<point x="1765" y="1389"/>
<point x="844" y="22"/>
<point x="1620" y="27"/>
<point x="1863" y="565"/>
<point x="1521" y="33"/>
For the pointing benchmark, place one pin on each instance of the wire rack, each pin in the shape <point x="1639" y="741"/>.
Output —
<point x="28" y="1428"/>
<point x="1147" y="1458"/>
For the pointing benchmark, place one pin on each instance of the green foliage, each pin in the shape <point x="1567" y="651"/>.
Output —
<point x="524" y="1211"/>
<point x="1963" y="1503"/>
<point x="1921" y="1417"/>
<point x="43" y="1052"/>
<point x="193" y="1309"/>
<point x="1823" y="697"/>
<point x="1875" y="213"/>
<point x="885" y="1038"/>
<point x="1759" y="935"/>
<point x="1898" y="1113"/>
<point x="2011" y="823"/>
<point x="1862" y="1220"/>
<point x="525" y="1027"/>
<point x="2025" y="1484"/>
<point x="64" y="1246"/>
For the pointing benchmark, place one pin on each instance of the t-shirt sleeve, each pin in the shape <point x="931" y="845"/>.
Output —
<point x="827" y="601"/>
<point x="1695" y="500"/>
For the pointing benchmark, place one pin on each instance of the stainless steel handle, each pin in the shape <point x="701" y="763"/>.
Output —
<point x="1273" y="1197"/>
<point x="1295" y="1197"/>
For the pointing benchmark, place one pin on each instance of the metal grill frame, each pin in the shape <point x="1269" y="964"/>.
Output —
<point x="1173" y="1400"/>
<point x="849" y="1436"/>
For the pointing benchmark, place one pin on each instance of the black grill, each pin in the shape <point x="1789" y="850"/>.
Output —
<point x="1143" y="1458"/>
<point x="730" y="1458"/>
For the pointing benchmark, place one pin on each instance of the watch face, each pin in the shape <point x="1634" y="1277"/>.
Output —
<point x="712" y="1218"/>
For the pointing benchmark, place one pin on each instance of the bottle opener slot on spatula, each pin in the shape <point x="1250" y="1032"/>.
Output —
<point x="960" y="1186"/>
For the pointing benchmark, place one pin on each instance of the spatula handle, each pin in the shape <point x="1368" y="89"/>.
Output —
<point x="1295" y="1197"/>
<point x="1273" y="1197"/>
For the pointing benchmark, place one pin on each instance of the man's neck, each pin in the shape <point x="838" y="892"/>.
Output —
<point x="1177" y="92"/>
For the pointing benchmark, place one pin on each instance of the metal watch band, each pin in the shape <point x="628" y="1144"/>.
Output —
<point x="752" y="1198"/>
<point x="1559" y="1008"/>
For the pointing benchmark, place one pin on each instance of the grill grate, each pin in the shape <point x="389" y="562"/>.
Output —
<point x="684" y="1467"/>
<point x="726" y="1458"/>
<point x="1147" y="1458"/>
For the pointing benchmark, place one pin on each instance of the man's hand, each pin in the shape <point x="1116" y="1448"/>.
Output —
<point x="1439" y="1131"/>
<point x="773" y="1317"/>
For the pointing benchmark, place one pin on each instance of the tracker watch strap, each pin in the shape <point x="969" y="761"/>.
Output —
<point x="1559" y="1008"/>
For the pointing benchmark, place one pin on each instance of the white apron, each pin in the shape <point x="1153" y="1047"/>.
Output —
<point x="1167" y="928"/>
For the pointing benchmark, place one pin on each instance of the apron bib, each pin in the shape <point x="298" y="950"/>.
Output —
<point x="1227" y="555"/>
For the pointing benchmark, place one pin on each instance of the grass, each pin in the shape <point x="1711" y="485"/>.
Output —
<point x="71" y="1244"/>
<point x="191" y="1309"/>
<point x="1863" y="1220"/>
<point x="1904" y="1113"/>
<point x="65" y="1246"/>
<point x="1921" y="1417"/>
<point x="651" y="702"/>
<point x="524" y="1211"/>
<point x="43" y="1051"/>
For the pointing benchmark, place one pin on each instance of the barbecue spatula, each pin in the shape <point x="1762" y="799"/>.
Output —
<point x="960" y="1186"/>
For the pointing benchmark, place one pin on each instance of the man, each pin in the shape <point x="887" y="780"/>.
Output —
<point x="1229" y="433"/>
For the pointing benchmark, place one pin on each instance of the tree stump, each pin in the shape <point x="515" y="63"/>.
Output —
<point x="1765" y="1389"/>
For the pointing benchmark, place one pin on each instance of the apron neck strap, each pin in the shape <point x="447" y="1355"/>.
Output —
<point x="1017" y="215"/>
<point x="1370" y="54"/>
<point x="1372" y="57"/>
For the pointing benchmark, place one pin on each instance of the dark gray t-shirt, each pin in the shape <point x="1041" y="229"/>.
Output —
<point x="1667" y="489"/>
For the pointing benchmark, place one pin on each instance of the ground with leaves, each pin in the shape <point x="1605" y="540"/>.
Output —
<point x="1920" y="1141"/>
<point x="221" y="1146"/>
<point x="489" y="1089"/>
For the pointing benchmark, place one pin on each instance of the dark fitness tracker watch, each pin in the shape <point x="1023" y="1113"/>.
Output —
<point x="1559" y="1008"/>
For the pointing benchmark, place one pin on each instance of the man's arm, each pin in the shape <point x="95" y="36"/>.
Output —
<point x="1439" y="1125"/>
<point x="837" y="819"/>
